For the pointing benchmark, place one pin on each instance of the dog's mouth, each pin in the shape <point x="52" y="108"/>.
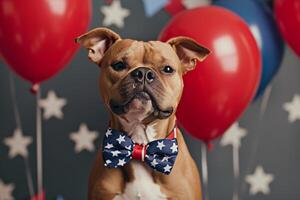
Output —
<point x="139" y="102"/>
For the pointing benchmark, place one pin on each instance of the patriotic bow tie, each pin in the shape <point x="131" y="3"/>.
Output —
<point x="119" y="149"/>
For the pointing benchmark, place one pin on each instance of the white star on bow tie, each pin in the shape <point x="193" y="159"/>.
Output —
<point x="115" y="153"/>
<point x="167" y="168"/>
<point x="121" y="139"/>
<point x="165" y="159"/>
<point x="121" y="162"/>
<point x="174" y="148"/>
<point x="160" y="145"/>
<point x="109" y="146"/>
<point x="114" y="14"/>
<point x="128" y="147"/>
<point x="108" y="133"/>
<point x="107" y="162"/>
<point x="154" y="162"/>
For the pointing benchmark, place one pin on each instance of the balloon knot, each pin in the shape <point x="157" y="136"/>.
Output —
<point x="35" y="88"/>
<point x="209" y="146"/>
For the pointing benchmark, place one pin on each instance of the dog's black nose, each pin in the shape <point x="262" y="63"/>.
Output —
<point x="138" y="74"/>
<point x="150" y="76"/>
<point x="142" y="74"/>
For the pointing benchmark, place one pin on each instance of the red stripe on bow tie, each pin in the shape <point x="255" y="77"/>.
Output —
<point x="139" y="152"/>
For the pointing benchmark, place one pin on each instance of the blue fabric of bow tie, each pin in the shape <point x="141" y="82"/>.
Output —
<point x="119" y="149"/>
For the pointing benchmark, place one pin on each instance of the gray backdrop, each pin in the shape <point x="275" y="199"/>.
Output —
<point x="272" y="141"/>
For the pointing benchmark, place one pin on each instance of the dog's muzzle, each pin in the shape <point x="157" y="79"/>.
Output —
<point x="142" y="82"/>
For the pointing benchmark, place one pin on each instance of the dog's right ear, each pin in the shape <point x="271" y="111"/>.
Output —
<point x="98" y="41"/>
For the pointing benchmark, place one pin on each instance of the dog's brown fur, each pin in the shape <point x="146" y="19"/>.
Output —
<point x="105" y="48"/>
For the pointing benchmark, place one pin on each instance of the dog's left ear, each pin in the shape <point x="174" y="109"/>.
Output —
<point x="98" y="41"/>
<point x="188" y="51"/>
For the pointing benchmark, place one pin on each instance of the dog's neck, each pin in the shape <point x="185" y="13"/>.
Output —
<point x="143" y="133"/>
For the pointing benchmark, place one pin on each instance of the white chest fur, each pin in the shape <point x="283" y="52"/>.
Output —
<point x="143" y="186"/>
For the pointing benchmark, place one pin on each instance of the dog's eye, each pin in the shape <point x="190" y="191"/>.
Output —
<point x="118" y="66"/>
<point x="168" y="70"/>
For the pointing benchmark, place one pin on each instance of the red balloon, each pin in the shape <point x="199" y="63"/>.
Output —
<point x="37" y="37"/>
<point x="287" y="13"/>
<point x="220" y="88"/>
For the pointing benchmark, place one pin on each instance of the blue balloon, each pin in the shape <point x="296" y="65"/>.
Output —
<point x="261" y="22"/>
<point x="268" y="2"/>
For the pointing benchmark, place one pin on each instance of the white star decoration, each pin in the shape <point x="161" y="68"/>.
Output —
<point x="128" y="147"/>
<point x="109" y="146"/>
<point x="154" y="162"/>
<point x="293" y="108"/>
<point x="121" y="162"/>
<point x="121" y="139"/>
<point x="114" y="14"/>
<point x="167" y="168"/>
<point x="233" y="136"/>
<point x="259" y="181"/>
<point x="189" y="4"/>
<point x="174" y="148"/>
<point x="160" y="145"/>
<point x="84" y="139"/>
<point x="115" y="153"/>
<point x="108" y="133"/>
<point x="18" y="144"/>
<point x="165" y="159"/>
<point x="52" y="105"/>
<point x="6" y="191"/>
<point x="107" y="162"/>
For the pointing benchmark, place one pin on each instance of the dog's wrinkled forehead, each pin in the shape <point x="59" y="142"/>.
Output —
<point x="139" y="53"/>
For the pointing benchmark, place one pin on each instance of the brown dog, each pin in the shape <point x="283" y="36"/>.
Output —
<point x="141" y="85"/>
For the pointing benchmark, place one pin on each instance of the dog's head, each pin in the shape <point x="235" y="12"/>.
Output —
<point x="139" y="79"/>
